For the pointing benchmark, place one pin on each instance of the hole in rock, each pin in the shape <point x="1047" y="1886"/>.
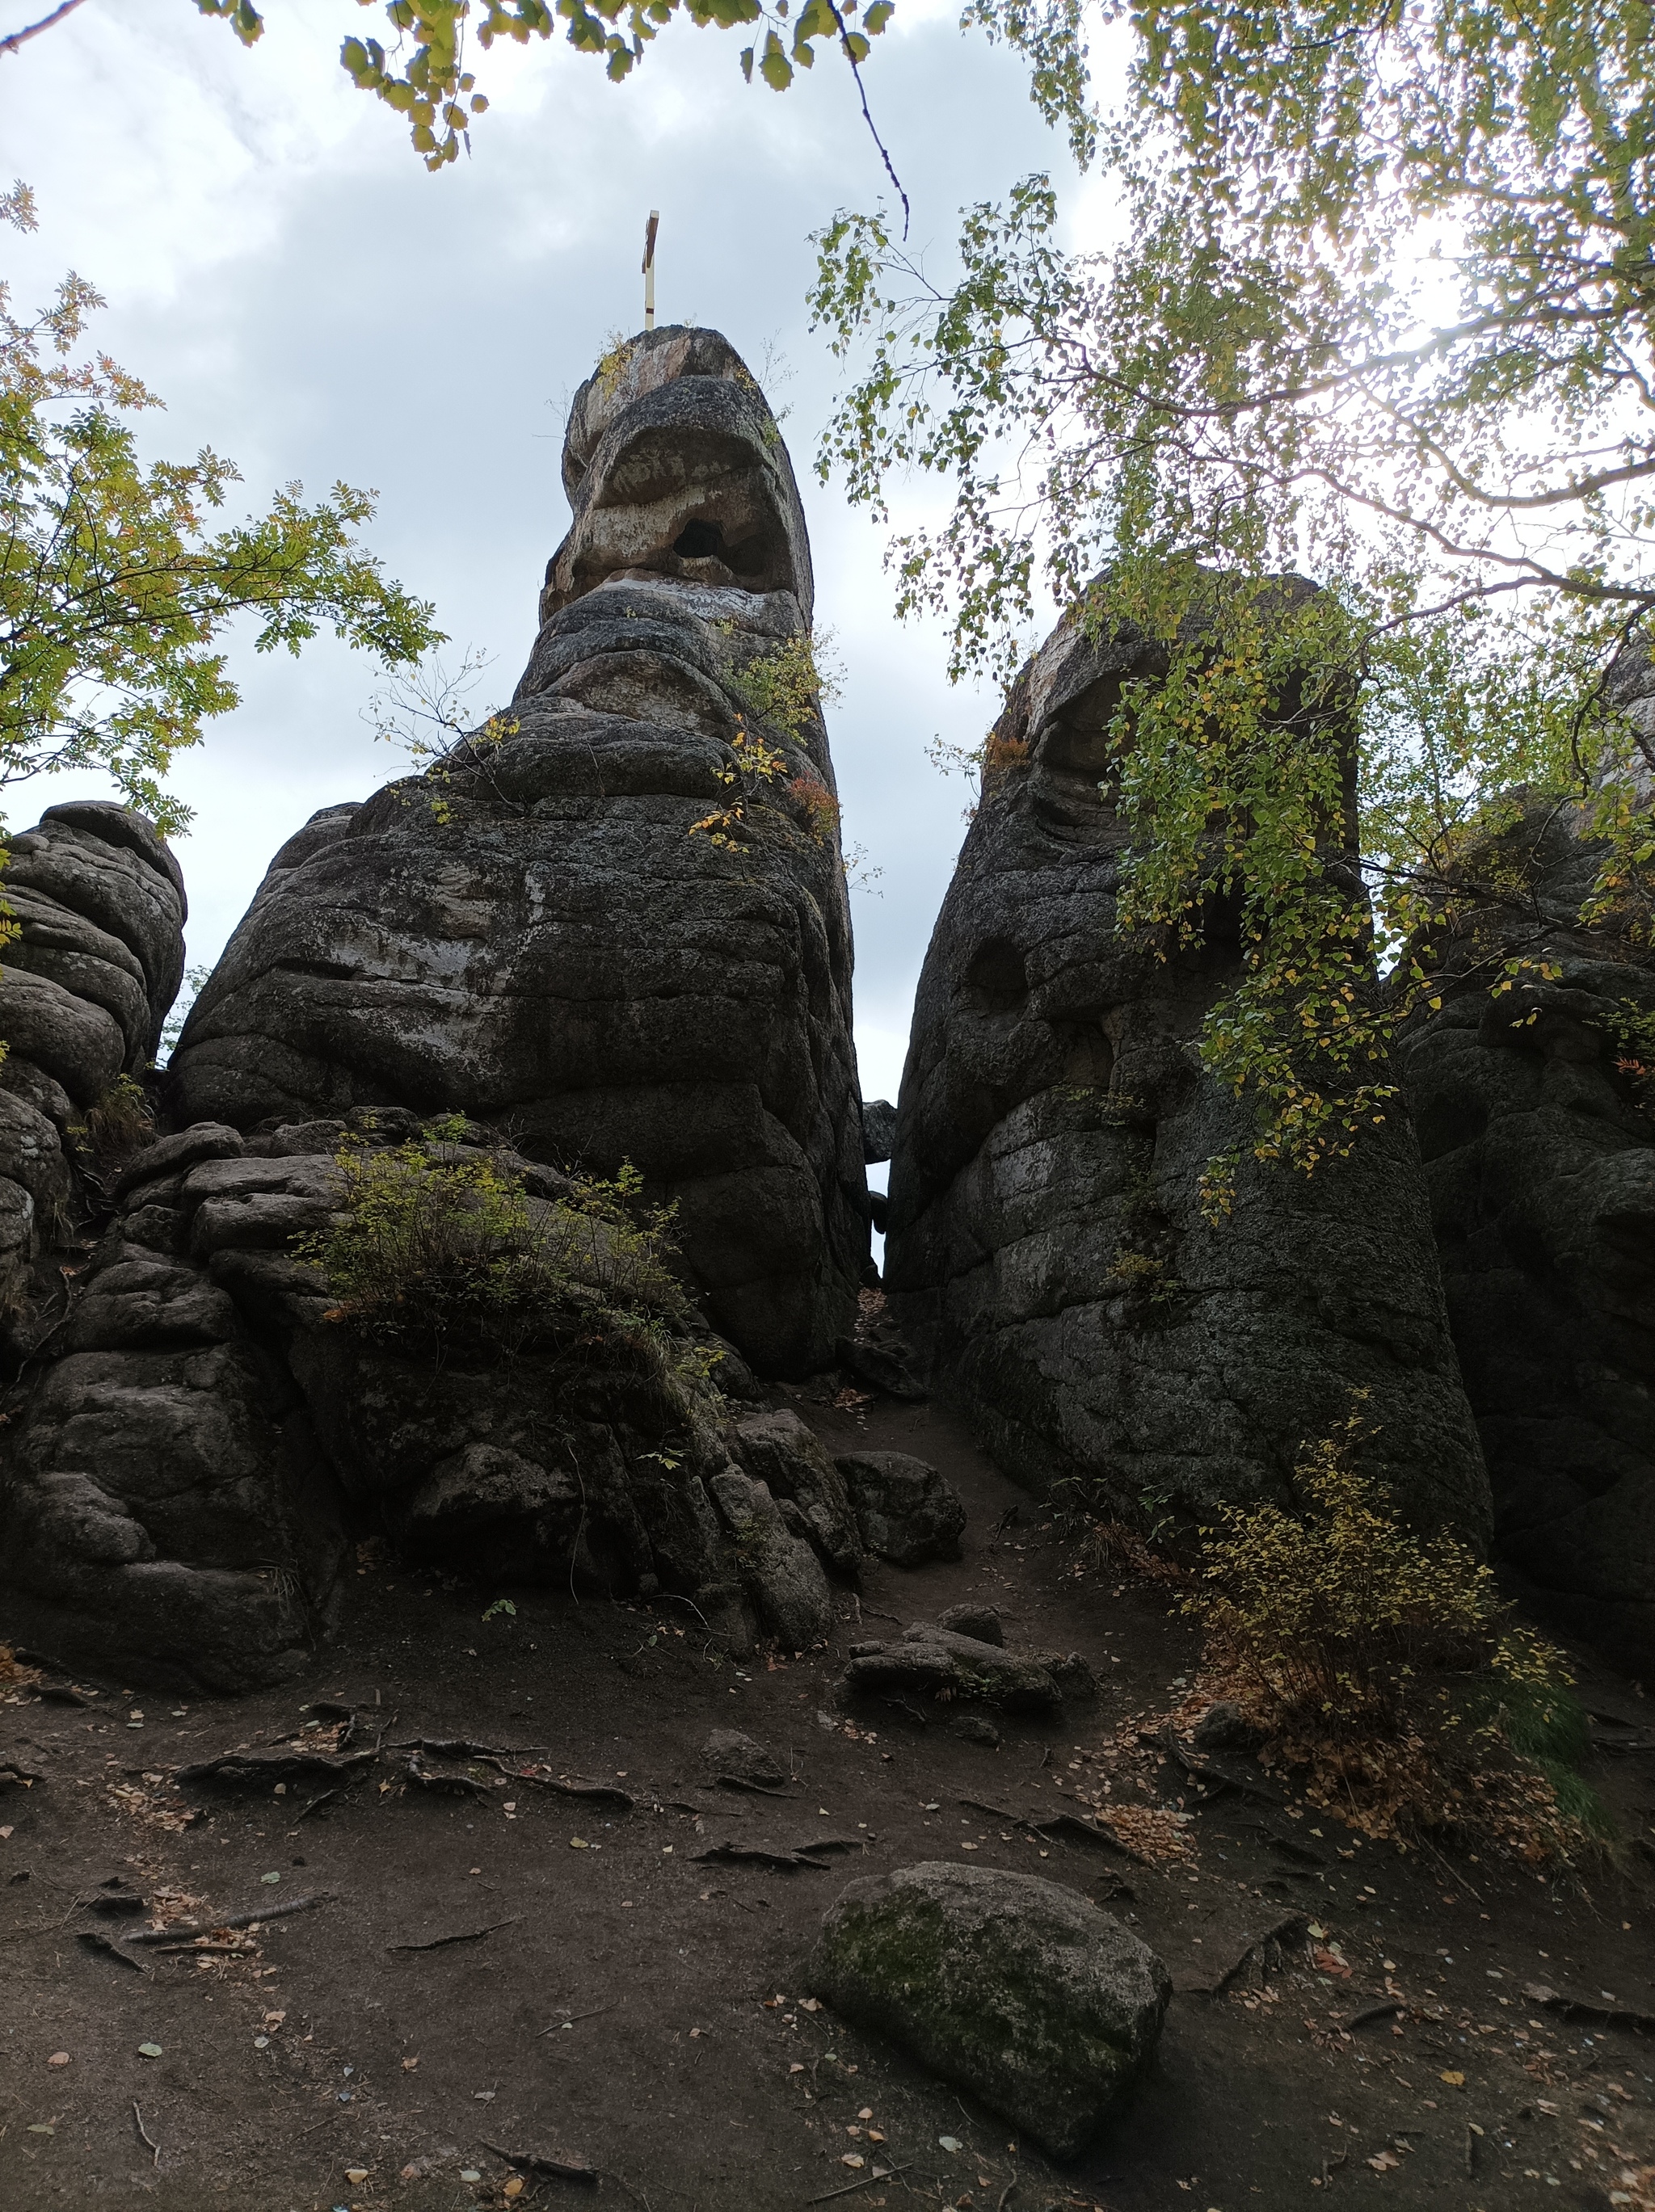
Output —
<point x="701" y="541"/>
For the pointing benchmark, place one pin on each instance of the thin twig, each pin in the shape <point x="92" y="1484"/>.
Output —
<point x="889" y="2173"/>
<point x="254" y="1919"/>
<point x="867" y="118"/>
<point x="466" y="1936"/>
<point x="573" y="2017"/>
<point x="67" y="7"/>
<point x="144" y="2137"/>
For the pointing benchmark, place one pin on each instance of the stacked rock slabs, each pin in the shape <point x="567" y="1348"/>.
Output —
<point x="543" y="938"/>
<point x="1047" y="1249"/>
<point x="97" y="900"/>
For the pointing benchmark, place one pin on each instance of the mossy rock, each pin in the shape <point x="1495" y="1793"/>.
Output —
<point x="1014" y="1987"/>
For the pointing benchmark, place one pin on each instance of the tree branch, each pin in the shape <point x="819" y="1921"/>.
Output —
<point x="34" y="30"/>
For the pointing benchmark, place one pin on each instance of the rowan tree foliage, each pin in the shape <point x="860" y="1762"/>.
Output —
<point x="1380" y="311"/>
<point x="115" y="585"/>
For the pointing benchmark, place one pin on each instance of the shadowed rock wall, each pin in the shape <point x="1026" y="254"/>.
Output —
<point x="548" y="947"/>
<point x="1046" y="1250"/>
<point x="1537" y="1127"/>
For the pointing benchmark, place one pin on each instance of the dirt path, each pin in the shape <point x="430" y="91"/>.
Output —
<point x="634" y="2006"/>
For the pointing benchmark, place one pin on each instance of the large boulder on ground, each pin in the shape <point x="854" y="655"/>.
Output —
<point x="907" y="1511"/>
<point x="931" y="1660"/>
<point x="1047" y="1250"/>
<point x="1020" y="1991"/>
<point x="615" y="920"/>
<point x="1535" y="1110"/>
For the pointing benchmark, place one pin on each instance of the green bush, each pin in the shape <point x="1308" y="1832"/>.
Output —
<point x="433" y="1245"/>
<point x="1385" y="1664"/>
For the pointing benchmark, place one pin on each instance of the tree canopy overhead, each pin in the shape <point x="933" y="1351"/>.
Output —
<point x="115" y="589"/>
<point x="1381" y="310"/>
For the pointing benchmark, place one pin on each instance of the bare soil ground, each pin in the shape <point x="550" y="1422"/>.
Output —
<point x="596" y="1992"/>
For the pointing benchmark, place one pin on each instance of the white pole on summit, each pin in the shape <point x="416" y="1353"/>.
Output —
<point x="650" y="228"/>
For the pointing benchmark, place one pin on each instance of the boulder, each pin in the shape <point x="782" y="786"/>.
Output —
<point x="557" y="929"/>
<point x="906" y="1512"/>
<point x="781" y="1574"/>
<point x="930" y="1661"/>
<point x="1536" y="1111"/>
<point x="879" y="1130"/>
<point x="781" y="1451"/>
<point x="1047" y="1251"/>
<point x="980" y="1622"/>
<point x="1017" y="1991"/>
<point x="729" y="1756"/>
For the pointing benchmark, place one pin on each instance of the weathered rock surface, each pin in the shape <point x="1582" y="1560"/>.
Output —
<point x="1023" y="1992"/>
<point x="981" y="1621"/>
<point x="730" y="1756"/>
<point x="539" y="935"/>
<point x="783" y="1452"/>
<point x="907" y="1511"/>
<point x="879" y="1130"/>
<point x="1536" y="1122"/>
<point x="200" y="1425"/>
<point x="930" y="1660"/>
<point x="98" y="899"/>
<point x="1046" y="1250"/>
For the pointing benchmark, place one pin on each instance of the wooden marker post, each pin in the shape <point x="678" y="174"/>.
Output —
<point x="650" y="228"/>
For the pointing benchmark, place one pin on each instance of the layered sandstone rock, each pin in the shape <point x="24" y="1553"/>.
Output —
<point x="1535" y="1110"/>
<point x="541" y="936"/>
<point x="200" y="1427"/>
<point x="1046" y="1248"/>
<point x="97" y="900"/>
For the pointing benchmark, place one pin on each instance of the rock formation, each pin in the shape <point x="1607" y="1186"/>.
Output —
<point x="1535" y="1110"/>
<point x="539" y="936"/>
<point x="611" y="927"/>
<point x="98" y="903"/>
<point x="1023" y="1992"/>
<point x="1046" y="1250"/>
<point x="201" y="1426"/>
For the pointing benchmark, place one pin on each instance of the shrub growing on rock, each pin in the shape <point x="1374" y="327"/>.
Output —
<point x="1385" y="1664"/>
<point x="434" y="1241"/>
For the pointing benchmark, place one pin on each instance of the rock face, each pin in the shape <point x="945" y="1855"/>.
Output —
<point x="1023" y="1992"/>
<point x="200" y="1425"/>
<point x="97" y="900"/>
<point x="558" y="931"/>
<point x="1536" y="1120"/>
<point x="1046" y="1250"/>
<point x="907" y="1513"/>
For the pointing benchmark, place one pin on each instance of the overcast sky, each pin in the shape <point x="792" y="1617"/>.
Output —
<point x="308" y="301"/>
